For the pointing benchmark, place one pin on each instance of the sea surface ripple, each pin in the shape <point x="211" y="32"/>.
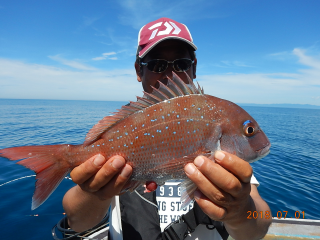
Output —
<point x="289" y="175"/>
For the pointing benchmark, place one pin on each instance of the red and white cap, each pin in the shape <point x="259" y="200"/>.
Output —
<point x="164" y="28"/>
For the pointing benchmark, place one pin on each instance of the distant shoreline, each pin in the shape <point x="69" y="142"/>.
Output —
<point x="277" y="105"/>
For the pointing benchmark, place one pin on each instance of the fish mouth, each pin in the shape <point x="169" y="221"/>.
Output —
<point x="264" y="150"/>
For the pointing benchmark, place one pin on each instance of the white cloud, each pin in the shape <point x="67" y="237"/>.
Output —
<point x="98" y="58"/>
<point x="89" y="20"/>
<point x="306" y="60"/>
<point x="35" y="81"/>
<point x="279" y="53"/>
<point x="24" y="80"/>
<point x="282" y="56"/>
<point x="72" y="63"/>
<point x="105" y="56"/>
<point x="108" y="54"/>
<point x="302" y="87"/>
<point x="226" y="64"/>
<point x="137" y="13"/>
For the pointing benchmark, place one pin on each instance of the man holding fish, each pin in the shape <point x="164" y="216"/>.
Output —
<point x="226" y="190"/>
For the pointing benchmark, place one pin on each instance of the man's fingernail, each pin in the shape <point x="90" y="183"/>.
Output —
<point x="189" y="168"/>
<point x="198" y="161"/>
<point x="219" y="156"/>
<point x="197" y="194"/>
<point x="118" y="163"/>
<point x="99" y="160"/>
<point x="126" y="172"/>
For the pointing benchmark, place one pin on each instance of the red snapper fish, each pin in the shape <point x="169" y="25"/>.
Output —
<point x="157" y="135"/>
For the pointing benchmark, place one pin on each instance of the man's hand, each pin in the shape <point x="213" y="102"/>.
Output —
<point x="102" y="178"/>
<point x="225" y="194"/>
<point x="98" y="181"/>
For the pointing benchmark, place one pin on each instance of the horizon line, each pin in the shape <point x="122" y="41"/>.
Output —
<point x="247" y="104"/>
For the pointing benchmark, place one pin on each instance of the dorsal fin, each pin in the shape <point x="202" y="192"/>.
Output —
<point x="175" y="87"/>
<point x="165" y="89"/>
<point x="192" y="86"/>
<point x="145" y="101"/>
<point x="181" y="84"/>
<point x="200" y="89"/>
<point x="160" y="94"/>
<point x="152" y="97"/>
<point x="138" y="105"/>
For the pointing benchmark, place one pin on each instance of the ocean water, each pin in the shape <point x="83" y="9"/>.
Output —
<point x="289" y="175"/>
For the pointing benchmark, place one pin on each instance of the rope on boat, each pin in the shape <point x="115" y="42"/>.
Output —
<point x="69" y="178"/>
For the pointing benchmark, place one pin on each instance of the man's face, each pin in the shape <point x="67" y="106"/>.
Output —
<point x="169" y="50"/>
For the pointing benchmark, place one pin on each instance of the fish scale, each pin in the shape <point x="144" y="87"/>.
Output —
<point x="157" y="135"/>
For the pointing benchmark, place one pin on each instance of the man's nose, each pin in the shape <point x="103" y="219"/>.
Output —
<point x="168" y="72"/>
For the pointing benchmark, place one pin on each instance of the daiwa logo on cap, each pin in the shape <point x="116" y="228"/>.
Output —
<point x="169" y="27"/>
<point x="164" y="28"/>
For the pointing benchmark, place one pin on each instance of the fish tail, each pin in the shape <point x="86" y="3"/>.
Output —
<point x="49" y="162"/>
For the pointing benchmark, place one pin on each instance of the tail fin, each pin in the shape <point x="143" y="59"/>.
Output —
<point x="47" y="162"/>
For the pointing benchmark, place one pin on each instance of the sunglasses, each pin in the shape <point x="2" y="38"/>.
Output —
<point x="160" y="65"/>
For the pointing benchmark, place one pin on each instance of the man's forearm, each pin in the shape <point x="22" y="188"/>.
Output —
<point x="245" y="228"/>
<point x="84" y="210"/>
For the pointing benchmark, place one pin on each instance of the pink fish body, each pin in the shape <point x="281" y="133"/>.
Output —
<point x="157" y="135"/>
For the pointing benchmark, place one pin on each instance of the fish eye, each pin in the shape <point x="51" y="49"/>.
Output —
<point x="248" y="128"/>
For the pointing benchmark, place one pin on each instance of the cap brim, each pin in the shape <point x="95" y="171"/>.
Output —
<point x="148" y="48"/>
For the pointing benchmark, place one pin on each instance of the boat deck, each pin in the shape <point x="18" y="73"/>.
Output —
<point x="293" y="229"/>
<point x="280" y="229"/>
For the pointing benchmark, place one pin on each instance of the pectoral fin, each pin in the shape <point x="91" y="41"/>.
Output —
<point x="187" y="192"/>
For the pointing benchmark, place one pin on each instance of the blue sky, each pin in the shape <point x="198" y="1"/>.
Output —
<point x="249" y="51"/>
